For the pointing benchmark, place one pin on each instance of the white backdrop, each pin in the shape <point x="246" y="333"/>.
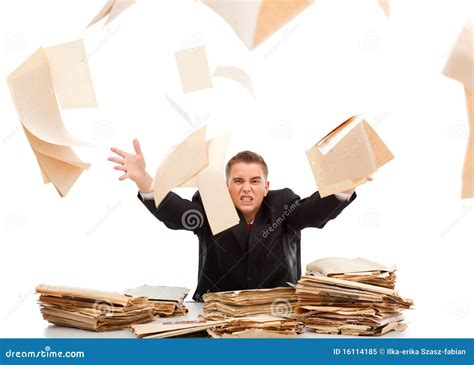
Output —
<point x="336" y="59"/>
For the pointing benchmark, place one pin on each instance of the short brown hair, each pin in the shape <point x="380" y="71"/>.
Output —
<point x="246" y="157"/>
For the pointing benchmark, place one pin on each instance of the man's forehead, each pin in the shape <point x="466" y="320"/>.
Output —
<point x="242" y="169"/>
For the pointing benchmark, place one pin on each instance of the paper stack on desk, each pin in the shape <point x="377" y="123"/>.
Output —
<point x="175" y="329"/>
<point x="348" y="306"/>
<point x="167" y="300"/>
<point x="259" y="326"/>
<point x="92" y="310"/>
<point x="276" y="301"/>
<point x="359" y="269"/>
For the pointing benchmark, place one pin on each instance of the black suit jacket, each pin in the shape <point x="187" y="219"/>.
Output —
<point x="268" y="256"/>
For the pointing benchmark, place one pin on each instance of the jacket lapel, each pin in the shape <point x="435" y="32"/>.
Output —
<point x="241" y="232"/>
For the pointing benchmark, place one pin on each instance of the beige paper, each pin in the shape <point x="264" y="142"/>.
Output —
<point x="460" y="67"/>
<point x="341" y="265"/>
<point x="460" y="64"/>
<point x="61" y="72"/>
<point x="180" y="110"/>
<point x="236" y="74"/>
<point x="112" y="8"/>
<point x="256" y="20"/>
<point x="468" y="169"/>
<point x="71" y="76"/>
<point x="193" y="69"/>
<point x="182" y="162"/>
<point x="346" y="156"/>
<point x="210" y="181"/>
<point x="385" y="6"/>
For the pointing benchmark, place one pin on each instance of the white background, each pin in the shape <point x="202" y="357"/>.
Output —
<point x="336" y="59"/>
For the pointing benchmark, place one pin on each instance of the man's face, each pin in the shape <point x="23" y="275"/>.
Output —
<point x="247" y="186"/>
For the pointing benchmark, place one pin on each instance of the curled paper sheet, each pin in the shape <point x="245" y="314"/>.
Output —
<point x="193" y="69"/>
<point x="53" y="74"/>
<point x="210" y="181"/>
<point x="197" y="163"/>
<point x="112" y="8"/>
<point x="385" y="5"/>
<point x="236" y="74"/>
<point x="180" y="110"/>
<point x="460" y="67"/>
<point x="346" y="156"/>
<point x="256" y="20"/>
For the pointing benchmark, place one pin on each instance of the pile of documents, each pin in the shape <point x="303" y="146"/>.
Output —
<point x="175" y="329"/>
<point x="334" y="298"/>
<point x="277" y="302"/>
<point x="167" y="300"/>
<point x="259" y="326"/>
<point x="359" y="269"/>
<point x="92" y="310"/>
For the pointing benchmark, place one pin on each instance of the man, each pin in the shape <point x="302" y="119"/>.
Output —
<point x="263" y="250"/>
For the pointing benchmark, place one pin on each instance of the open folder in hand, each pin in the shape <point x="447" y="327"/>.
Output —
<point x="346" y="156"/>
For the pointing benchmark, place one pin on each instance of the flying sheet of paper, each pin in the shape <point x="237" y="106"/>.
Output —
<point x="112" y="8"/>
<point x="346" y="156"/>
<point x="50" y="74"/>
<point x="182" y="162"/>
<point x="180" y="110"/>
<point x="460" y="67"/>
<point x="236" y="74"/>
<point x="210" y="181"/>
<point x="193" y="69"/>
<point x="256" y="20"/>
<point x="385" y="5"/>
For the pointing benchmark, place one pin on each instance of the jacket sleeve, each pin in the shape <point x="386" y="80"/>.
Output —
<point x="313" y="211"/>
<point x="178" y="213"/>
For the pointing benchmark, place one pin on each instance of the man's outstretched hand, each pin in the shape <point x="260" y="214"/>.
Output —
<point x="132" y="166"/>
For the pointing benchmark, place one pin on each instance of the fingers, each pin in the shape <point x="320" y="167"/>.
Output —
<point x="120" y="161"/>
<point x="137" y="147"/>
<point x="123" y="177"/>
<point x="370" y="178"/>
<point x="120" y="168"/>
<point x="119" y="152"/>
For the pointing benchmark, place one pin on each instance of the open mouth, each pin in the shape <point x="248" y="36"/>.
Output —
<point x="246" y="198"/>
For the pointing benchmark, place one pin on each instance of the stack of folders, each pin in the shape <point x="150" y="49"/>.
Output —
<point x="92" y="310"/>
<point x="276" y="301"/>
<point x="167" y="300"/>
<point x="258" y="326"/>
<point x="350" y="297"/>
<point x="252" y="313"/>
<point x="175" y="329"/>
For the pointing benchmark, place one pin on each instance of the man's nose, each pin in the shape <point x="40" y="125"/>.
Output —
<point x="246" y="187"/>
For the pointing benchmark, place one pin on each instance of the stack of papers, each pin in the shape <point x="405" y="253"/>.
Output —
<point x="359" y="269"/>
<point x="167" y="300"/>
<point x="174" y="329"/>
<point x="260" y="326"/>
<point x="350" y="307"/>
<point x="277" y="302"/>
<point x="92" y="310"/>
